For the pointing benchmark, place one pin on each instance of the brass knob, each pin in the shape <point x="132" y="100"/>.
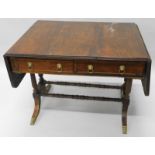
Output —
<point x="29" y="65"/>
<point x="90" y="68"/>
<point x="59" y="67"/>
<point x="122" y="69"/>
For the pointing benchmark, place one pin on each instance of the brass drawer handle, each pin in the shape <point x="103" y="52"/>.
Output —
<point x="122" y="69"/>
<point x="59" y="67"/>
<point x="90" y="68"/>
<point x="29" y="65"/>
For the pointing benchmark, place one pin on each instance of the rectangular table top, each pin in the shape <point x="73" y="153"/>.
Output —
<point x="107" y="42"/>
<point x="81" y="40"/>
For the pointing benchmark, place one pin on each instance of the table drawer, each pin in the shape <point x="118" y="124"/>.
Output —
<point x="110" y="68"/>
<point x="24" y="65"/>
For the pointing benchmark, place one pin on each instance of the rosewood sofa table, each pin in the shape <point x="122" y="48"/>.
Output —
<point x="80" y="48"/>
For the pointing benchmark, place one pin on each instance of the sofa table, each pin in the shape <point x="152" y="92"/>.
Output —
<point x="80" y="48"/>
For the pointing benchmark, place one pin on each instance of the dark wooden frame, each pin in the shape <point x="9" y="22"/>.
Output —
<point x="42" y="88"/>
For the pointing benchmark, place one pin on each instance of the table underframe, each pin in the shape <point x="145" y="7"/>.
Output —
<point x="42" y="89"/>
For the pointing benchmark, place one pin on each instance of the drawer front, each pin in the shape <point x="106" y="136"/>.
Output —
<point x="110" y="68"/>
<point x="24" y="65"/>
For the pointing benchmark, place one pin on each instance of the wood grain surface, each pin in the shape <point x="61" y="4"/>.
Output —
<point x="81" y="39"/>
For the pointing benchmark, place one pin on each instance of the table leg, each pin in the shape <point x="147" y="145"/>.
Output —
<point x="37" y="98"/>
<point x="126" y="94"/>
<point x="43" y="87"/>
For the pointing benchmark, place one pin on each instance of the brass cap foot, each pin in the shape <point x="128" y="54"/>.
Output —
<point x="124" y="129"/>
<point x="33" y="120"/>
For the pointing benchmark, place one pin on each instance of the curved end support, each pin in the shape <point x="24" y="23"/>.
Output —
<point x="36" y="110"/>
